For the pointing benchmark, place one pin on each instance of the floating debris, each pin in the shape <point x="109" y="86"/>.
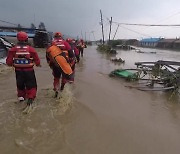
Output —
<point x="120" y="60"/>
<point x="160" y="75"/>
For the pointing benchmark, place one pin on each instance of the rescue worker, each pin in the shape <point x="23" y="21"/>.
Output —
<point x="81" y="45"/>
<point x="56" y="70"/>
<point x="76" y="50"/>
<point x="75" y="59"/>
<point x="23" y="57"/>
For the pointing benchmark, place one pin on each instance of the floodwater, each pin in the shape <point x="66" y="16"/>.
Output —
<point x="95" y="115"/>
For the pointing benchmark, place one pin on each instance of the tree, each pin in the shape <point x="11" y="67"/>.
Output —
<point x="42" y="26"/>
<point x="19" y="26"/>
<point x="33" y="26"/>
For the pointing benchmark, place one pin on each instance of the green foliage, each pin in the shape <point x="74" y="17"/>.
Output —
<point x="19" y="26"/>
<point x="113" y="43"/>
<point x="42" y="26"/>
<point x="104" y="48"/>
<point x="33" y="26"/>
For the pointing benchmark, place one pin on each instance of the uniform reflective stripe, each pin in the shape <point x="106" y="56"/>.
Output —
<point x="23" y="57"/>
<point x="23" y="47"/>
<point x="22" y="53"/>
<point x="60" y="45"/>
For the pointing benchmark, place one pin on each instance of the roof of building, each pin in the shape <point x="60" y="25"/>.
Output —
<point x="151" y="40"/>
<point x="13" y="34"/>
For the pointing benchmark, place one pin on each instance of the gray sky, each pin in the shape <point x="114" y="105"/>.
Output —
<point x="73" y="16"/>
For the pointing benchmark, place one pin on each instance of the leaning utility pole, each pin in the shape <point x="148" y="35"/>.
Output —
<point x="110" y="29"/>
<point x="102" y="26"/>
<point x="116" y="31"/>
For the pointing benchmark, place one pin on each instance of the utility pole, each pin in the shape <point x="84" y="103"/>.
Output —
<point x="77" y="38"/>
<point x="85" y="36"/>
<point x="116" y="31"/>
<point x="89" y="37"/>
<point x="34" y="20"/>
<point x="81" y="34"/>
<point x="102" y="26"/>
<point x="93" y="35"/>
<point x="110" y="29"/>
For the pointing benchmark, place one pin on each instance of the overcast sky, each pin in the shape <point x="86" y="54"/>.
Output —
<point x="77" y="17"/>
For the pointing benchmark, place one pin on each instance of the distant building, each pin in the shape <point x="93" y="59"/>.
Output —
<point x="149" y="42"/>
<point x="176" y="44"/>
<point x="133" y="42"/>
<point x="166" y="43"/>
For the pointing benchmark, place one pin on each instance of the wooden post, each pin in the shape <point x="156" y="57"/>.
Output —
<point x="81" y="34"/>
<point x="110" y="29"/>
<point x="85" y="36"/>
<point x="93" y="35"/>
<point x="102" y="26"/>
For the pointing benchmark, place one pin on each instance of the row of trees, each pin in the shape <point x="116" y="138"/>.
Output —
<point x="41" y="26"/>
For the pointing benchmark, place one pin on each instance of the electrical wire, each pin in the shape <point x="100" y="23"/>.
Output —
<point x="158" y="25"/>
<point x="136" y="31"/>
<point x="8" y="22"/>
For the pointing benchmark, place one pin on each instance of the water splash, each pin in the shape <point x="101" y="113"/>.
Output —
<point x="64" y="101"/>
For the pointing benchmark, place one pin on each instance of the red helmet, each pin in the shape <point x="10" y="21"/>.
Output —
<point x="69" y="40"/>
<point x="57" y="34"/>
<point x="22" y="36"/>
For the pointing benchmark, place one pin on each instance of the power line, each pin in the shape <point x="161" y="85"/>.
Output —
<point x="135" y="31"/>
<point x="170" y="16"/>
<point x="132" y="24"/>
<point x="9" y="22"/>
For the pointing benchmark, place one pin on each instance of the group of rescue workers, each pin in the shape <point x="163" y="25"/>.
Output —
<point x="62" y="56"/>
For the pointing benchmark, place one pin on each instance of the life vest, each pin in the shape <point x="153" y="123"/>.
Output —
<point x="59" y="43"/>
<point x="22" y="58"/>
<point x="59" y="58"/>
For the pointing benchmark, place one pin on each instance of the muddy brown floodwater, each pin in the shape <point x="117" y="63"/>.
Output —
<point x="95" y="115"/>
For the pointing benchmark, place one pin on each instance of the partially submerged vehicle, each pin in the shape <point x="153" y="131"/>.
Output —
<point x="156" y="76"/>
<point x="42" y="39"/>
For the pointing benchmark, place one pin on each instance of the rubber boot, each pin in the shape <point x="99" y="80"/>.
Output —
<point x="62" y="86"/>
<point x="29" y="102"/>
<point x="56" y="94"/>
